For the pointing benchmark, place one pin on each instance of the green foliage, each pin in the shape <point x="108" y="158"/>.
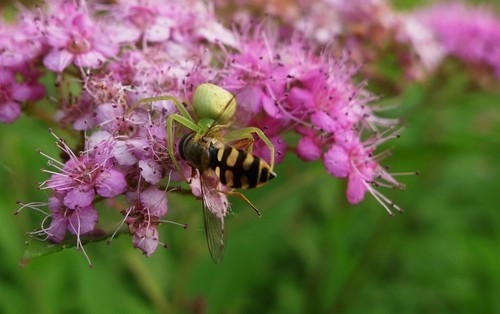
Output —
<point x="310" y="251"/>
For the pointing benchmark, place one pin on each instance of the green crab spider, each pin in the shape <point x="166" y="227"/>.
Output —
<point x="205" y="149"/>
<point x="215" y="108"/>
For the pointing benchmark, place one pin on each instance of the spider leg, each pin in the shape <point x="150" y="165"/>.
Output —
<point x="170" y="135"/>
<point x="183" y="111"/>
<point x="244" y="198"/>
<point x="246" y="133"/>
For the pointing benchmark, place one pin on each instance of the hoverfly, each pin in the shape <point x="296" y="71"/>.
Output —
<point x="234" y="168"/>
<point x="207" y="151"/>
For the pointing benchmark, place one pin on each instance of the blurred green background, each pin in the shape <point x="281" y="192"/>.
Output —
<point x="311" y="251"/>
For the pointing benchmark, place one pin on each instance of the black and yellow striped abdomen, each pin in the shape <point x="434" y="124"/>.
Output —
<point x="237" y="168"/>
<point x="234" y="167"/>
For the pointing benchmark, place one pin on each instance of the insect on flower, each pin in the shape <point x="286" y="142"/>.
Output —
<point x="215" y="151"/>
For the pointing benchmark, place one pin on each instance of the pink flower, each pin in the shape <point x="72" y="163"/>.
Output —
<point x="10" y="108"/>
<point x="144" y="48"/>
<point x="144" y="216"/>
<point x="184" y="22"/>
<point x="77" y="221"/>
<point x="20" y="41"/>
<point x="147" y="18"/>
<point x="471" y="34"/>
<point x="81" y="177"/>
<point x="146" y="239"/>
<point x="12" y="93"/>
<point x="354" y="159"/>
<point x="75" y="37"/>
<point x="280" y="149"/>
<point x="291" y="87"/>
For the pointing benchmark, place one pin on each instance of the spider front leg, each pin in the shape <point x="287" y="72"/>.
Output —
<point x="183" y="118"/>
<point x="183" y="111"/>
<point x="188" y="123"/>
<point x="246" y="133"/>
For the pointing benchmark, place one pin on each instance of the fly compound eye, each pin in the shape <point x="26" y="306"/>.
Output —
<point x="213" y="102"/>
<point x="182" y="143"/>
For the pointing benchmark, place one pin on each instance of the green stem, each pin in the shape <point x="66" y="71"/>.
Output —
<point x="147" y="282"/>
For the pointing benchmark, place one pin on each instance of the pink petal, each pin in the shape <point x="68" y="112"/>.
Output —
<point x="299" y="98"/>
<point x="123" y="33"/>
<point x="57" y="228"/>
<point x="155" y="200"/>
<point x="57" y="38"/>
<point x="111" y="183"/>
<point x="82" y="24"/>
<point x="97" y="138"/>
<point x="250" y="98"/>
<point x="21" y="92"/>
<point x="58" y="60"/>
<point x="58" y="182"/>
<point x="307" y="149"/>
<point x="55" y="203"/>
<point x="79" y="197"/>
<point x="84" y="122"/>
<point x="262" y="150"/>
<point x="160" y="30"/>
<point x="150" y="171"/>
<point x="356" y="188"/>
<point x="9" y="112"/>
<point x="106" y="45"/>
<point x="215" y="32"/>
<point x="270" y="107"/>
<point x="123" y="154"/>
<point x="324" y="121"/>
<point x="82" y="220"/>
<point x="107" y="114"/>
<point x="336" y="161"/>
<point x="91" y="59"/>
<point x="146" y="239"/>
<point x="194" y="183"/>
<point x="7" y="78"/>
<point x="11" y="58"/>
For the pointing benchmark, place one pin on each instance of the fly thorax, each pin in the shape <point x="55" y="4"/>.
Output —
<point x="213" y="150"/>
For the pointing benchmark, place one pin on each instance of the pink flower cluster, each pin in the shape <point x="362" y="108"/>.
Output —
<point x="419" y="39"/>
<point x="471" y="34"/>
<point x="371" y="30"/>
<point x="126" y="51"/>
<point x="19" y="51"/>
<point x="288" y="86"/>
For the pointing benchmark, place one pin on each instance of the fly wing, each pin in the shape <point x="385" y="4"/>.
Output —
<point x="214" y="209"/>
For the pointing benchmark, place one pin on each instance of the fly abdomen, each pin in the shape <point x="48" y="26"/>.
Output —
<point x="237" y="168"/>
